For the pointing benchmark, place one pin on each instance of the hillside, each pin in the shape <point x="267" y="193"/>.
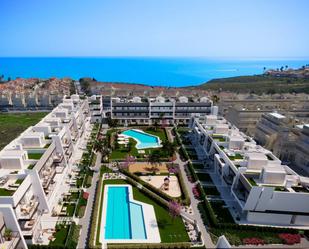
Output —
<point x="257" y="84"/>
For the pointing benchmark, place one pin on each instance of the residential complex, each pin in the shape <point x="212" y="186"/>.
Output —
<point x="245" y="114"/>
<point x="147" y="111"/>
<point x="286" y="138"/>
<point x="35" y="167"/>
<point x="265" y="191"/>
<point x="39" y="171"/>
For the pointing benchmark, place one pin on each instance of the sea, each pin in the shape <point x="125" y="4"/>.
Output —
<point x="154" y="71"/>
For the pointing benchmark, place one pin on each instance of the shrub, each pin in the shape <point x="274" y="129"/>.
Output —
<point x="253" y="241"/>
<point x="290" y="239"/>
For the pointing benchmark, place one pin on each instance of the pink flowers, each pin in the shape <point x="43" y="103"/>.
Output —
<point x="196" y="192"/>
<point x="253" y="241"/>
<point x="290" y="239"/>
<point x="85" y="195"/>
<point x="174" y="209"/>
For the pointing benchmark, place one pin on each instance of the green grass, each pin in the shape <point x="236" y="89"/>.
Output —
<point x="31" y="166"/>
<point x="6" y="192"/>
<point x="218" y="138"/>
<point x="35" y="156"/>
<point x="122" y="152"/>
<point x="204" y="177"/>
<point x="11" y="125"/>
<point x="159" y="133"/>
<point x="252" y="181"/>
<point x="171" y="230"/>
<point x="70" y="209"/>
<point x="198" y="166"/>
<point x="19" y="181"/>
<point x="60" y="236"/>
<point x="237" y="156"/>
<point x="223" y="214"/>
<point x="211" y="190"/>
<point x="74" y="196"/>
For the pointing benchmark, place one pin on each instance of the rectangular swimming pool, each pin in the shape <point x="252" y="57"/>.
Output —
<point x="124" y="218"/>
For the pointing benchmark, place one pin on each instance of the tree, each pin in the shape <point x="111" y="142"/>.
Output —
<point x="112" y="122"/>
<point x="128" y="161"/>
<point x="102" y="147"/>
<point x="169" y="147"/>
<point x="215" y="98"/>
<point x="154" y="158"/>
<point x="156" y="125"/>
<point x="173" y="169"/>
<point x="174" y="209"/>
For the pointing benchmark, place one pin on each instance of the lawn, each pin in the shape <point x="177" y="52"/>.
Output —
<point x="204" y="177"/>
<point x="170" y="230"/>
<point x="35" y="156"/>
<point x="6" y="192"/>
<point x="70" y="209"/>
<point x="222" y="213"/>
<point x="121" y="152"/>
<point x="11" y="125"/>
<point x="198" y="166"/>
<point x="61" y="235"/>
<point x="211" y="190"/>
<point x="237" y="156"/>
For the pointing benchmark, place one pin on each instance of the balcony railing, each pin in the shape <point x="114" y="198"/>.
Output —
<point x="12" y="243"/>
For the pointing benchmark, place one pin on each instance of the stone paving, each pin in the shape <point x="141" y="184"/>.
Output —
<point x="85" y="222"/>
<point x="194" y="202"/>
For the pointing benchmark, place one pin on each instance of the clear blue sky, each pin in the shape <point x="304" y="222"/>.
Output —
<point x="213" y="28"/>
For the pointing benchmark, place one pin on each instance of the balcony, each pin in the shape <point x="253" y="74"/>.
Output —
<point x="28" y="208"/>
<point x="11" y="243"/>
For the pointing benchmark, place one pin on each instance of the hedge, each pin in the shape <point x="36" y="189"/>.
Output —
<point x="94" y="214"/>
<point x="192" y="171"/>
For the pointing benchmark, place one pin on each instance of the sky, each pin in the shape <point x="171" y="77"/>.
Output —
<point x="206" y="28"/>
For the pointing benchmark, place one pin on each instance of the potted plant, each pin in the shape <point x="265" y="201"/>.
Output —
<point x="7" y="234"/>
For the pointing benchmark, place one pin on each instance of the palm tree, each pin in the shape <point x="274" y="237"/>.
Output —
<point x="169" y="147"/>
<point x="97" y="145"/>
<point x="156" y="125"/>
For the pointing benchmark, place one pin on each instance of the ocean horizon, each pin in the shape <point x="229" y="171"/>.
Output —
<point x="154" y="71"/>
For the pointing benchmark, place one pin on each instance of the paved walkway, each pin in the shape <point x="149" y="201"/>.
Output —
<point x="85" y="222"/>
<point x="194" y="202"/>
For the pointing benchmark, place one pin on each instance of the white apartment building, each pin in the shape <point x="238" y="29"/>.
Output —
<point x="96" y="108"/>
<point x="8" y="223"/>
<point x="266" y="192"/>
<point x="147" y="111"/>
<point x="35" y="164"/>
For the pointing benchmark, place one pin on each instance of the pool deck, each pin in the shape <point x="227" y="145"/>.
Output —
<point x="151" y="225"/>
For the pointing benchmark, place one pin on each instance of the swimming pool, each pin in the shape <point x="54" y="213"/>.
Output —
<point x="124" y="218"/>
<point x="144" y="140"/>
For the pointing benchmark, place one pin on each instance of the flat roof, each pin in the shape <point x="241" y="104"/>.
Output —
<point x="277" y="115"/>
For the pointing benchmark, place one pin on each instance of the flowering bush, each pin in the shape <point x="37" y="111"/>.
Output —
<point x="253" y="241"/>
<point x="290" y="239"/>
<point x="85" y="195"/>
<point x="196" y="192"/>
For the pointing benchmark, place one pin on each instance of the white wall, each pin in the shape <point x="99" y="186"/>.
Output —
<point x="11" y="222"/>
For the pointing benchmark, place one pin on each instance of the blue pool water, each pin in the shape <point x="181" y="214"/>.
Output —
<point x="144" y="140"/>
<point x="124" y="219"/>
